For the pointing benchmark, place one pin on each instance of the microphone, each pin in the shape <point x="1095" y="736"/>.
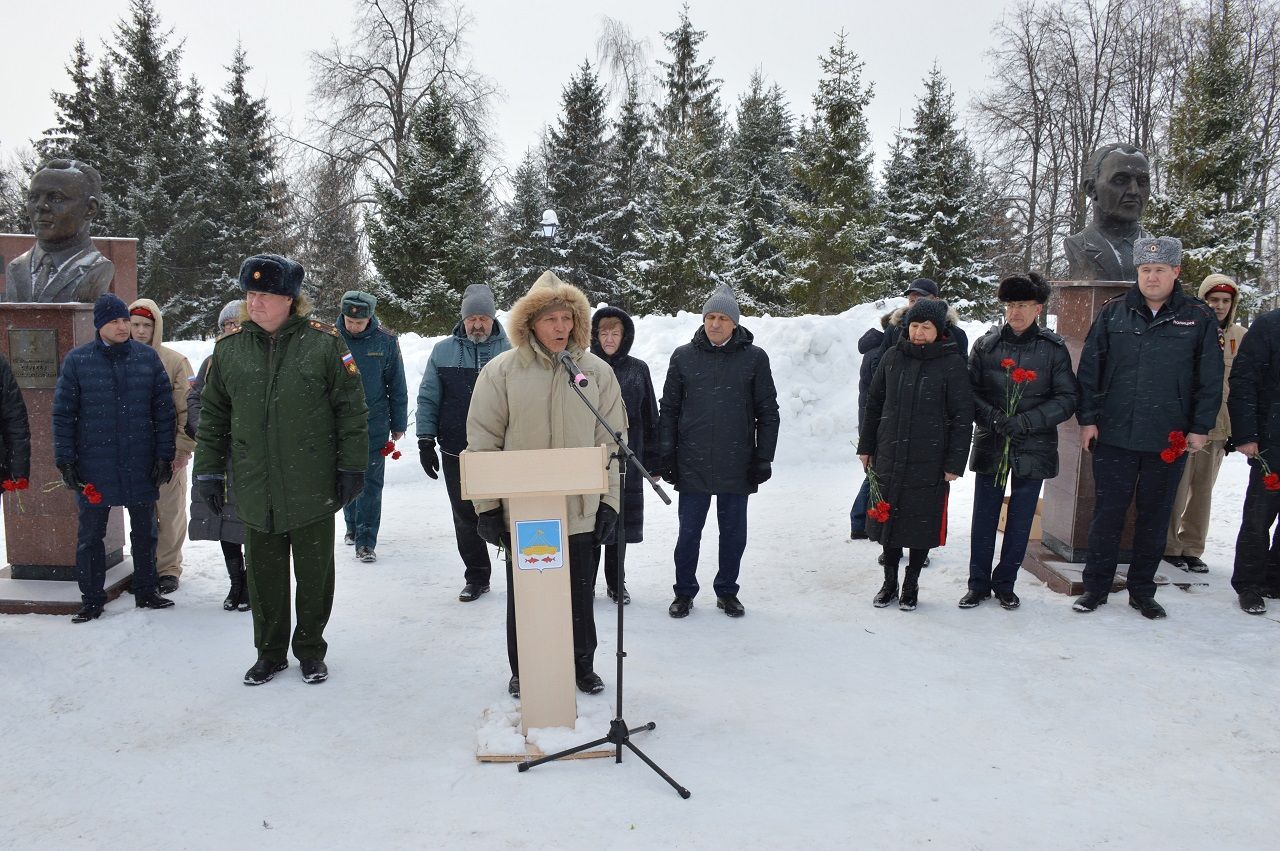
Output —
<point x="575" y="374"/>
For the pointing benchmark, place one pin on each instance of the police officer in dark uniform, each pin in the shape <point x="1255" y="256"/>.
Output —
<point x="377" y="354"/>
<point x="1151" y="366"/>
<point x="284" y="402"/>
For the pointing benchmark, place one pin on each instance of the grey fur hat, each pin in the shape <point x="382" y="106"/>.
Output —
<point x="1157" y="249"/>
<point x="722" y="300"/>
<point x="477" y="300"/>
<point x="230" y="312"/>
<point x="927" y="310"/>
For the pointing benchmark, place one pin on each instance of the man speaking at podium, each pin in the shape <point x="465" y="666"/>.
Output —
<point x="523" y="400"/>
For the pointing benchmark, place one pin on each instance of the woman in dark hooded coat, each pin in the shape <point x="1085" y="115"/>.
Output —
<point x="612" y="334"/>
<point x="919" y="422"/>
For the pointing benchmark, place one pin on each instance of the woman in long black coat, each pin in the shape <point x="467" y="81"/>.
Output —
<point x="612" y="335"/>
<point x="919" y="421"/>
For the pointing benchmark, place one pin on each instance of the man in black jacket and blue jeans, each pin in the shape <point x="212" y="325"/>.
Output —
<point x="718" y="428"/>
<point x="1151" y="366"/>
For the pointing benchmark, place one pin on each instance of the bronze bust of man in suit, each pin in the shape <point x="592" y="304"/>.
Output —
<point x="62" y="201"/>
<point x="1118" y="181"/>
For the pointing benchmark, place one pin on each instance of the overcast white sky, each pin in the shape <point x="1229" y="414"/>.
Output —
<point x="528" y="48"/>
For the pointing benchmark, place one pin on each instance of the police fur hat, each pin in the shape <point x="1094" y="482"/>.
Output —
<point x="1028" y="287"/>
<point x="358" y="305"/>
<point x="271" y="273"/>
<point x="928" y="310"/>
<point x="1157" y="249"/>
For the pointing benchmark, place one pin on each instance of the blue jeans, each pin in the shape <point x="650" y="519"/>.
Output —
<point x="987" y="501"/>
<point x="364" y="514"/>
<point x="91" y="552"/>
<point x="858" y="515"/>
<point x="731" y="517"/>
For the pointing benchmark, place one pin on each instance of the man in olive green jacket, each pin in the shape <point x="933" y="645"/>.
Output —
<point x="284" y="401"/>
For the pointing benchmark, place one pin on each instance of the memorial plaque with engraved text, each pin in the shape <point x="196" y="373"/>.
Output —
<point x="33" y="354"/>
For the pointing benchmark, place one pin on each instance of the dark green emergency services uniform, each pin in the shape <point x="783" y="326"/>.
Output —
<point x="288" y="412"/>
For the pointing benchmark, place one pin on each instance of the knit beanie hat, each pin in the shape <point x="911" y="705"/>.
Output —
<point x="477" y="300"/>
<point x="927" y="310"/>
<point x="723" y="301"/>
<point x="106" y="308"/>
<point x="230" y="312"/>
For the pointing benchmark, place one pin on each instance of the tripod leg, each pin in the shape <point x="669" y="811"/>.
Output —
<point x="684" y="793"/>
<point x="527" y="764"/>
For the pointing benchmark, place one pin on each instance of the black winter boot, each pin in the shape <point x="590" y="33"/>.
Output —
<point x="238" y="596"/>
<point x="889" y="590"/>
<point x="910" y="589"/>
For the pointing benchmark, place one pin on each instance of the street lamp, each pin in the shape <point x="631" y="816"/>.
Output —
<point x="550" y="224"/>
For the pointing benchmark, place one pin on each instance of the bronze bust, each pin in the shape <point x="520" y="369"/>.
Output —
<point x="1118" y="181"/>
<point x="62" y="201"/>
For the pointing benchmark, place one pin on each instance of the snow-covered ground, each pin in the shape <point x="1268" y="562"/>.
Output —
<point x="815" y="721"/>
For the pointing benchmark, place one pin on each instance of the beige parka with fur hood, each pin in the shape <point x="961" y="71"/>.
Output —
<point x="179" y="370"/>
<point x="522" y="398"/>
<point x="1232" y="335"/>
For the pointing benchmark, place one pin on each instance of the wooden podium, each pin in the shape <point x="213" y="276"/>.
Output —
<point x="533" y="485"/>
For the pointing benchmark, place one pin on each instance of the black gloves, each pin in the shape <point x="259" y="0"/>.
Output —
<point x="491" y="528"/>
<point x="1017" y="425"/>
<point x="606" y="522"/>
<point x="350" y="483"/>
<point x="212" y="492"/>
<point x="161" y="472"/>
<point x="668" y="472"/>
<point x="760" y="471"/>
<point x="998" y="421"/>
<point x="69" y="477"/>
<point x="427" y="454"/>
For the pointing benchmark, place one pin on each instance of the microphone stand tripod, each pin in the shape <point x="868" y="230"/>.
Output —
<point x="619" y="734"/>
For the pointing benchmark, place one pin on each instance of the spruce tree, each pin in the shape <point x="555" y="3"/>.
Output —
<point x="689" y="238"/>
<point x="1211" y="157"/>
<point x="520" y="253"/>
<point x="628" y="195"/>
<point x="576" y="171"/>
<point x="427" y="238"/>
<point x="329" y="245"/>
<point x="933" y="205"/>
<point x="759" y="155"/>
<point x="829" y="235"/>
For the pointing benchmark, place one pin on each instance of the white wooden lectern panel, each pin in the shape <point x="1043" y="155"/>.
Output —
<point x="534" y="484"/>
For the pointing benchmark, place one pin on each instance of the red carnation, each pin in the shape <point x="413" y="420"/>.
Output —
<point x="22" y="483"/>
<point x="1177" y="440"/>
<point x="395" y="456"/>
<point x="9" y="485"/>
<point x="388" y="448"/>
<point x="1271" y="481"/>
<point x="1007" y="363"/>
<point x="1021" y="375"/>
<point x="1168" y="456"/>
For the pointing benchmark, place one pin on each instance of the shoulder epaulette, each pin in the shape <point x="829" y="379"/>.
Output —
<point x="324" y="326"/>
<point x="385" y="330"/>
<point x="224" y="335"/>
<point x="1115" y="298"/>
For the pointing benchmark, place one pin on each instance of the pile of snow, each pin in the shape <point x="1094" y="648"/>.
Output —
<point x="815" y="721"/>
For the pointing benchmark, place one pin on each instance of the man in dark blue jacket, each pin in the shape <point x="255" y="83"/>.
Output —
<point x="377" y="354"/>
<point x="1254" y="408"/>
<point x="1151" y="366"/>
<point x="443" y="399"/>
<point x="717" y="431"/>
<point x="113" y="428"/>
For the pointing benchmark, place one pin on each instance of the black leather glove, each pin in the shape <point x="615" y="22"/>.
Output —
<point x="161" y="472"/>
<point x="427" y="454"/>
<point x="606" y="522"/>
<point x="491" y="527"/>
<point x="350" y="484"/>
<point x="212" y="492"/>
<point x="760" y="472"/>
<point x="998" y="421"/>
<point x="668" y="471"/>
<point x="1017" y="426"/>
<point x="1229" y="446"/>
<point x="69" y="477"/>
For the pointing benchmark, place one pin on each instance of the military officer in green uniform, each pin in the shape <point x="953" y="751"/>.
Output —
<point x="283" y="401"/>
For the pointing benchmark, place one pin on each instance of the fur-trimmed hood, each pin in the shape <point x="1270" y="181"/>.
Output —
<point x="547" y="289"/>
<point x="157" y="336"/>
<point x="1217" y="280"/>
<point x="895" y="318"/>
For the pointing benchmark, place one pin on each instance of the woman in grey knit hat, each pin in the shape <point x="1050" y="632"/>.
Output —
<point x="224" y="526"/>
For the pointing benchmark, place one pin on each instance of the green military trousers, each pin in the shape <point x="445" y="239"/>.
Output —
<point x="266" y="556"/>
